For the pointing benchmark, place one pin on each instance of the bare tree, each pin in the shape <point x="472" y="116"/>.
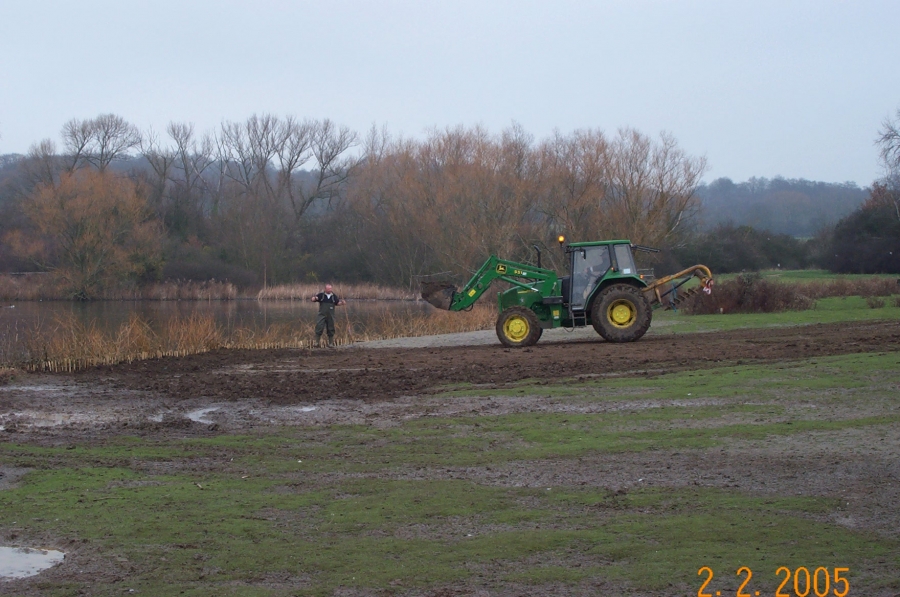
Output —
<point x="889" y="141"/>
<point x="76" y="136"/>
<point x="574" y="180"/>
<point x="194" y="156"/>
<point x="330" y="144"/>
<point x="652" y="187"/>
<point x="42" y="164"/>
<point x="98" y="141"/>
<point x="282" y="167"/>
<point x="447" y="202"/>
<point x="160" y="160"/>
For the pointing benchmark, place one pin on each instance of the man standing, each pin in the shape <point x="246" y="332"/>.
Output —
<point x="327" y="300"/>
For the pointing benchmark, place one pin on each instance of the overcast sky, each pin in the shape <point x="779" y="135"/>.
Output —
<point x="761" y="88"/>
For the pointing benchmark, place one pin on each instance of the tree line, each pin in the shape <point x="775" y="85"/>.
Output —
<point x="273" y="199"/>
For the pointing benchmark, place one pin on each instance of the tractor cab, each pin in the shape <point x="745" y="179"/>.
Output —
<point x="593" y="263"/>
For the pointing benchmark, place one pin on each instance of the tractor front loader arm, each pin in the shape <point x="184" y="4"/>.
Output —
<point x="528" y="277"/>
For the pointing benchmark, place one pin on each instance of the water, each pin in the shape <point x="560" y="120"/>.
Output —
<point x="199" y="415"/>
<point x="17" y="320"/>
<point x="19" y="562"/>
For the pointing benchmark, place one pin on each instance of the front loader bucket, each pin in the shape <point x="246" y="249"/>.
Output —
<point x="438" y="294"/>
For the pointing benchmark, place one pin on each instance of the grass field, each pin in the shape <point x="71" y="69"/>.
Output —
<point x="808" y="275"/>
<point x="827" y="310"/>
<point x="443" y="506"/>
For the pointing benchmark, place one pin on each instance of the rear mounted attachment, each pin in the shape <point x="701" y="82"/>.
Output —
<point x="672" y="298"/>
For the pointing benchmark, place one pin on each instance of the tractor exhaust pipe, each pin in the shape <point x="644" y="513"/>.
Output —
<point x="438" y="294"/>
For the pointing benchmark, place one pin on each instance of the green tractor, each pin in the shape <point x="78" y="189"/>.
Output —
<point x="602" y="288"/>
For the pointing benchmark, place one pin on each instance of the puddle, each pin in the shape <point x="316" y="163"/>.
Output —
<point x="307" y="409"/>
<point x="19" y="562"/>
<point x="199" y="415"/>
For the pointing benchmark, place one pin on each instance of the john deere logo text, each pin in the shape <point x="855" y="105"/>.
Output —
<point x="501" y="269"/>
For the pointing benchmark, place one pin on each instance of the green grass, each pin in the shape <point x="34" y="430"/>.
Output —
<point x="828" y="310"/>
<point x="426" y="504"/>
<point x="807" y="275"/>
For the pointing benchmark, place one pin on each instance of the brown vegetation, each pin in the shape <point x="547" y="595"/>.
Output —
<point x="46" y="286"/>
<point x="359" y="291"/>
<point x="68" y="344"/>
<point x="751" y="293"/>
<point x="450" y="201"/>
<point x="31" y="287"/>
<point x="864" y="287"/>
<point x="92" y="229"/>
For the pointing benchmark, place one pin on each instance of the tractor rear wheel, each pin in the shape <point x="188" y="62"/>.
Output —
<point x="621" y="313"/>
<point x="518" y="327"/>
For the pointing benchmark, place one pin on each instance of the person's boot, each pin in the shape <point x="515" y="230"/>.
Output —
<point x="330" y="342"/>
<point x="318" y="341"/>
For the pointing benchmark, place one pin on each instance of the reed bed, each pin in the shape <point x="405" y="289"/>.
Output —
<point x="29" y="287"/>
<point x="182" y="290"/>
<point x="46" y="287"/>
<point x="346" y="291"/>
<point x="68" y="345"/>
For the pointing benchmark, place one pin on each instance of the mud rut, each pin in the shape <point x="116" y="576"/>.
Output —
<point x="383" y="387"/>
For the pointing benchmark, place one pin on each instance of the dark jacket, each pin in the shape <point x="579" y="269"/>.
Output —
<point x="325" y="303"/>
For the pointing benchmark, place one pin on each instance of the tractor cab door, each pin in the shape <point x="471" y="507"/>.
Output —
<point x="589" y="264"/>
<point x="624" y="260"/>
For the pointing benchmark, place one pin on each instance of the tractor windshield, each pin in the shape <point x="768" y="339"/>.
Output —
<point x="588" y="265"/>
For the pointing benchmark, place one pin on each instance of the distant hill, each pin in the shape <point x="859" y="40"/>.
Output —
<point x="796" y="207"/>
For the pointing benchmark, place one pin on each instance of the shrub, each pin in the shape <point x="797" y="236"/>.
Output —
<point x="875" y="302"/>
<point x="749" y="293"/>
<point x="848" y="287"/>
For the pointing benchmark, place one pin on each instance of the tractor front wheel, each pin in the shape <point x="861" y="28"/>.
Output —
<point x="518" y="327"/>
<point x="621" y="313"/>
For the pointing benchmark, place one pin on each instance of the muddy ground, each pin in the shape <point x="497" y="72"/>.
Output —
<point x="231" y="391"/>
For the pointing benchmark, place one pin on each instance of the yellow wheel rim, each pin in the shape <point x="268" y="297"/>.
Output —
<point x="621" y="313"/>
<point x="516" y="328"/>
